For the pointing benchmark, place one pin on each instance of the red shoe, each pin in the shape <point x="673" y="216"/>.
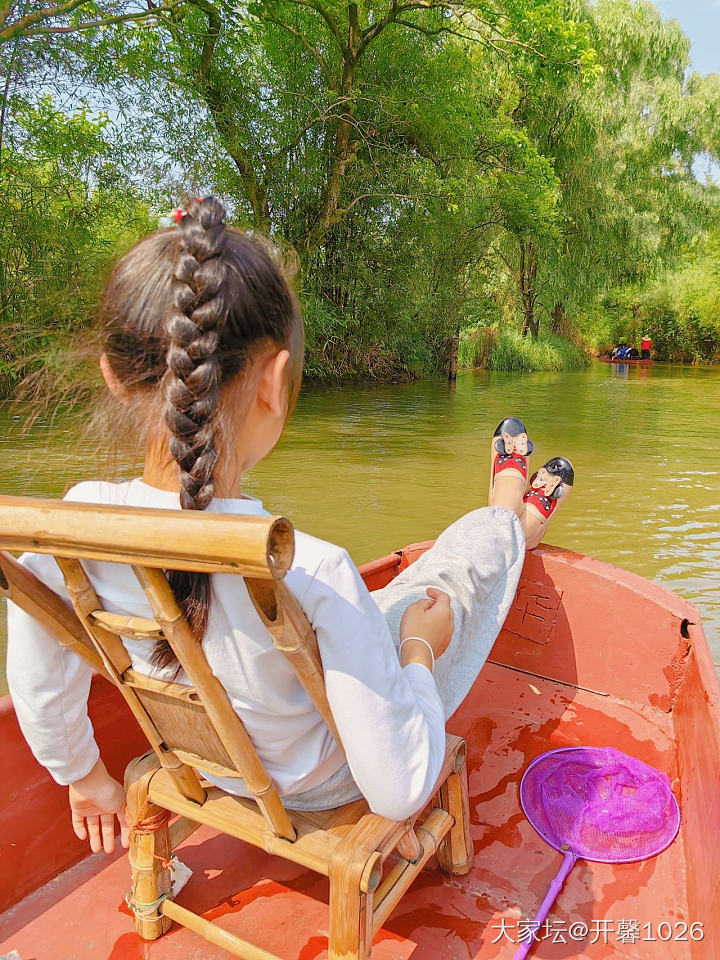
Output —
<point x="509" y="450"/>
<point x="549" y="487"/>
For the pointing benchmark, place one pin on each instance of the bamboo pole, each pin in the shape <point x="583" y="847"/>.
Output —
<point x="455" y="854"/>
<point x="86" y="602"/>
<point x="351" y="913"/>
<point x="134" y="628"/>
<point x="295" y="638"/>
<point x="150" y="850"/>
<point x="409" y="846"/>
<point x="430" y="835"/>
<point x="166" y="539"/>
<point x="215" y="934"/>
<point x="184" y="777"/>
<point x="181" y="829"/>
<point x="117" y="660"/>
<point x="239" y="817"/>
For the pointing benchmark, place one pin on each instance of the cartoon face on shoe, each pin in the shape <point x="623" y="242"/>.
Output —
<point x="511" y="437"/>
<point x="545" y="481"/>
<point x="518" y="444"/>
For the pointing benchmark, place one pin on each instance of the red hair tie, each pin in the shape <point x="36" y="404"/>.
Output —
<point x="178" y="214"/>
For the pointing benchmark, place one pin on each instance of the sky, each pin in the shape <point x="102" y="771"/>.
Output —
<point x="700" y="19"/>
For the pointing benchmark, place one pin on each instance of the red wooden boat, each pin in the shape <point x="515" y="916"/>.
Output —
<point x="636" y="363"/>
<point x="589" y="654"/>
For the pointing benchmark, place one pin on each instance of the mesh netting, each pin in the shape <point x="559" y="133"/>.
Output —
<point x="600" y="804"/>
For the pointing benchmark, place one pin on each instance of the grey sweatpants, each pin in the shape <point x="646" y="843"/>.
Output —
<point x="477" y="560"/>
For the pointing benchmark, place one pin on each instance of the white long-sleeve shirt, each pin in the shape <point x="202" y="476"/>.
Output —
<point x="390" y="718"/>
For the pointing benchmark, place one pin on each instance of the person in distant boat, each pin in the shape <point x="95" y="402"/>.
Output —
<point x="633" y="354"/>
<point x="203" y="348"/>
<point x="645" y="347"/>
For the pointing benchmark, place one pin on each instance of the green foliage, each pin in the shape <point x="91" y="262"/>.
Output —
<point x="622" y="141"/>
<point x="485" y="347"/>
<point x="680" y="310"/>
<point x="63" y="221"/>
<point x="482" y="167"/>
<point x="476" y="347"/>
<point x="512" y="351"/>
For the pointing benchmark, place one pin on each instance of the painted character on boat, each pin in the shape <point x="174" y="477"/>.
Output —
<point x="512" y="446"/>
<point x="547" y="486"/>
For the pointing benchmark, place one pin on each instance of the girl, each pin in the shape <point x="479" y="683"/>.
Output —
<point x="203" y="349"/>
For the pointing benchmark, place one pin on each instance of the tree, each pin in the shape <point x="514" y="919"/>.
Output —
<point x="621" y="141"/>
<point x="25" y="20"/>
<point x="430" y="163"/>
<point x="369" y="139"/>
<point x="65" y="215"/>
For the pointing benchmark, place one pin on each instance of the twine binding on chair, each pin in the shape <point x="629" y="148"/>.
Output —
<point x="145" y="910"/>
<point x="151" y="824"/>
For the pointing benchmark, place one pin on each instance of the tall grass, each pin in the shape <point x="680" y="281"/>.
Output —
<point x="476" y="347"/>
<point x="509" y="350"/>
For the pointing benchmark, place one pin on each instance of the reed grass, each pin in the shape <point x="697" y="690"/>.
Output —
<point x="508" y="350"/>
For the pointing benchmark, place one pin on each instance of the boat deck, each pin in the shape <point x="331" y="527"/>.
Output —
<point x="510" y="717"/>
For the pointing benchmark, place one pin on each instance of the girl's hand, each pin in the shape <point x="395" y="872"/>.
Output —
<point x="95" y="801"/>
<point x="431" y="619"/>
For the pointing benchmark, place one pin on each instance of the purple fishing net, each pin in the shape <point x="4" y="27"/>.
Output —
<point x="600" y="804"/>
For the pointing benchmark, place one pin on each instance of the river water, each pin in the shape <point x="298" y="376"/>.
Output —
<point x="376" y="467"/>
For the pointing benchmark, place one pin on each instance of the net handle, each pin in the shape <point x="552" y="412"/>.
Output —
<point x="550" y="898"/>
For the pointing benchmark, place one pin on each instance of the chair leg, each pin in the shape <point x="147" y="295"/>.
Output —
<point x="455" y="854"/>
<point x="351" y="916"/>
<point x="150" y="849"/>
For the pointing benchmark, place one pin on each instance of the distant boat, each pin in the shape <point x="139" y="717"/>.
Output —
<point x="589" y="654"/>
<point x="638" y="363"/>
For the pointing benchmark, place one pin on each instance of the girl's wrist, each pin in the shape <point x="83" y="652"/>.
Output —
<point x="98" y="774"/>
<point x="416" y="650"/>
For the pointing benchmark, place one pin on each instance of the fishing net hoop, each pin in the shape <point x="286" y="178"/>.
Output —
<point x="546" y="813"/>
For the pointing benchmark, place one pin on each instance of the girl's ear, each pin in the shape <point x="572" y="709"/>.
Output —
<point x="273" y="387"/>
<point x="116" y="388"/>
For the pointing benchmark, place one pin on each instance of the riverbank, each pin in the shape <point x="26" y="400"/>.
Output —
<point x="66" y="373"/>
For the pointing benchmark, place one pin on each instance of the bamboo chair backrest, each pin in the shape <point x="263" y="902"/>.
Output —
<point x="187" y="726"/>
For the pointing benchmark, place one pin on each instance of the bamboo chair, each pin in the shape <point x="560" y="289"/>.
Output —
<point x="191" y="727"/>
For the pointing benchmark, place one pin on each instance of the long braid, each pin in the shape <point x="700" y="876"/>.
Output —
<point x="194" y="325"/>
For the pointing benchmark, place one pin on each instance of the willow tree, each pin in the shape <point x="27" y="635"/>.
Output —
<point x="371" y="138"/>
<point x="622" y="148"/>
<point x="296" y="92"/>
<point x="410" y="151"/>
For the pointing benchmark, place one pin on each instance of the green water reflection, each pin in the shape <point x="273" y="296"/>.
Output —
<point x="374" y="468"/>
